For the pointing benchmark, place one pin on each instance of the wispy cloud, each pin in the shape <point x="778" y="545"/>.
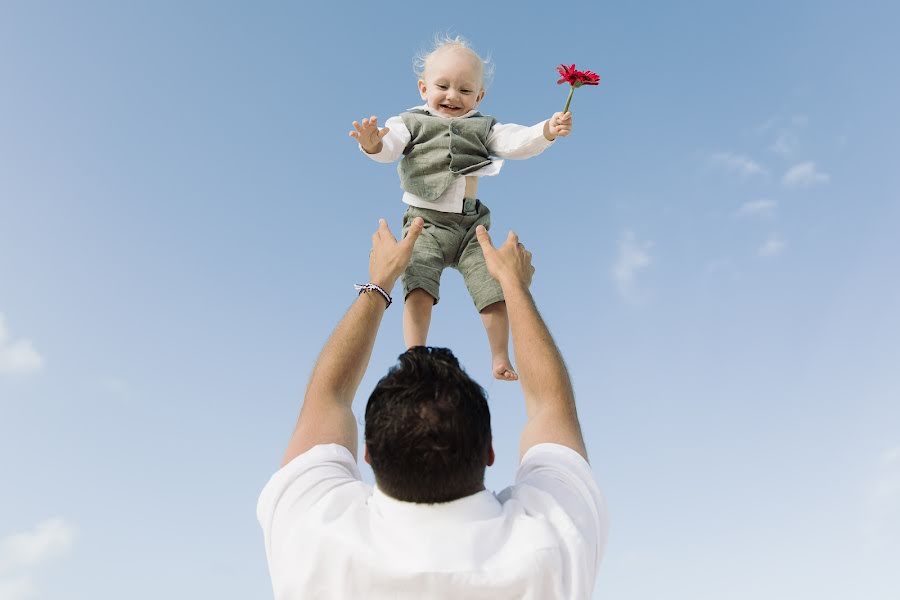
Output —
<point x="804" y="174"/>
<point x="757" y="208"/>
<point x="787" y="133"/>
<point x="49" y="539"/>
<point x="633" y="256"/>
<point x="21" y="553"/>
<point x="737" y="163"/>
<point x="785" y="144"/>
<point x="882" y="501"/>
<point x="17" y="355"/>
<point x="18" y="588"/>
<point x="772" y="247"/>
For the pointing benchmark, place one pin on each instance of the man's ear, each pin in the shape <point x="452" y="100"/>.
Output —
<point x="490" y="456"/>
<point x="366" y="455"/>
<point x="422" y="88"/>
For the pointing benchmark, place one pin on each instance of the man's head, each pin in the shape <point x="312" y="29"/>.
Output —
<point x="428" y="429"/>
<point x="451" y="77"/>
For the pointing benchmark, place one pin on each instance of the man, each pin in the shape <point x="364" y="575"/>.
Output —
<point x="429" y="529"/>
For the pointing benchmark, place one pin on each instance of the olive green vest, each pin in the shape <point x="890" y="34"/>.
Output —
<point x="440" y="150"/>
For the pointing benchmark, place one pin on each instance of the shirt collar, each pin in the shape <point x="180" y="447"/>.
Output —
<point x="425" y="108"/>
<point x="477" y="507"/>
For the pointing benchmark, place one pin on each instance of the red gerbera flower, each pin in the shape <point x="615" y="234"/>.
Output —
<point x="576" y="79"/>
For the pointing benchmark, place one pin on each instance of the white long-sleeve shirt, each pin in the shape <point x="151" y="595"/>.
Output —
<point x="504" y="141"/>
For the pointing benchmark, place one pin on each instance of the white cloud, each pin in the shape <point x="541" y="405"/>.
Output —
<point x="882" y="500"/>
<point x="785" y="144"/>
<point x="804" y="174"/>
<point x="49" y="539"/>
<point x="757" y="208"/>
<point x="21" y="553"/>
<point x="772" y="247"/>
<point x="633" y="256"/>
<point x="17" y="356"/>
<point x="17" y="588"/>
<point x="736" y="163"/>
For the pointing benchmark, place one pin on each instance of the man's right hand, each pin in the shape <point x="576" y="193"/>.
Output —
<point x="510" y="264"/>
<point x="368" y="135"/>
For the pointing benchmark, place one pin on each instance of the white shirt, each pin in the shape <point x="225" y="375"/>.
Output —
<point x="328" y="535"/>
<point x="504" y="141"/>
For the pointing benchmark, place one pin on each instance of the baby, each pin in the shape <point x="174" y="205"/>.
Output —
<point x="446" y="145"/>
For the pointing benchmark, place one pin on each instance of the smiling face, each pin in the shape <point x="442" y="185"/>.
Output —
<point x="452" y="82"/>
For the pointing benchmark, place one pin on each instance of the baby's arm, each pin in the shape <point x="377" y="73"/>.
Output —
<point x="382" y="145"/>
<point x="508" y="140"/>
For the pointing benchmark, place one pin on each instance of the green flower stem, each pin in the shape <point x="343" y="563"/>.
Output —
<point x="569" y="99"/>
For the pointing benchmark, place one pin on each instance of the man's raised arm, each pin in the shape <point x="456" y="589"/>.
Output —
<point x="549" y="399"/>
<point x="326" y="416"/>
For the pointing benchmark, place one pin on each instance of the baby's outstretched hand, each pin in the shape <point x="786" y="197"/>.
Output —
<point x="559" y="125"/>
<point x="368" y="135"/>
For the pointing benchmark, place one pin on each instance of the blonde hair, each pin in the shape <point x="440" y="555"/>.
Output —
<point x="444" y="41"/>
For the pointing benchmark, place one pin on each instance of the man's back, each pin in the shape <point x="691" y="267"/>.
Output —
<point x="428" y="440"/>
<point x="328" y="535"/>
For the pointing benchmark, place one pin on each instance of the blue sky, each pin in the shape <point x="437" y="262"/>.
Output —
<point x="182" y="217"/>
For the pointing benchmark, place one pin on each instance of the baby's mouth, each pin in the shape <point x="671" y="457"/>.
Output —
<point x="449" y="108"/>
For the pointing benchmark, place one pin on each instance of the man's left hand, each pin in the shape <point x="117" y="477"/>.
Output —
<point x="389" y="257"/>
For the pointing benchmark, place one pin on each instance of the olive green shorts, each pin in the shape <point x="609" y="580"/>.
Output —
<point x="448" y="240"/>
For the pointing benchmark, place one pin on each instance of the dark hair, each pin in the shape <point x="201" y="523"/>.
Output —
<point x="428" y="429"/>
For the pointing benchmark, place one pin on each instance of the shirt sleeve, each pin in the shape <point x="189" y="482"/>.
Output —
<point x="517" y="141"/>
<point x="556" y="482"/>
<point x="392" y="144"/>
<point x="295" y="488"/>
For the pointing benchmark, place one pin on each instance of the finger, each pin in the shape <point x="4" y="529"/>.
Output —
<point x="414" y="231"/>
<point x="383" y="132"/>
<point x="512" y="238"/>
<point x="357" y="126"/>
<point x="384" y="231"/>
<point x="484" y="238"/>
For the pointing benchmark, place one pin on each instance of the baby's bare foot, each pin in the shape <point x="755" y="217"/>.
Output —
<point x="503" y="370"/>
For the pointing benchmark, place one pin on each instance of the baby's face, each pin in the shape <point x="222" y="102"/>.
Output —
<point x="452" y="82"/>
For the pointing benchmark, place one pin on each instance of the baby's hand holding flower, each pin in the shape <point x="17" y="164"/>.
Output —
<point x="559" y="125"/>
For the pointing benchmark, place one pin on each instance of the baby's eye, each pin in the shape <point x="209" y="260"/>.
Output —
<point x="466" y="91"/>
<point x="441" y="86"/>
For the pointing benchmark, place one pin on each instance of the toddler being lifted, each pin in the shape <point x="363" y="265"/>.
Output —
<point x="446" y="145"/>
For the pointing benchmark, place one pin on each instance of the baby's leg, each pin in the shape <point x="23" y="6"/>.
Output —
<point x="488" y="297"/>
<point x="496" y="324"/>
<point x="417" y="317"/>
<point x="422" y="277"/>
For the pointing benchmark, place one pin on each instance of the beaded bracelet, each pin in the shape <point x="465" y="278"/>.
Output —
<point x="362" y="288"/>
